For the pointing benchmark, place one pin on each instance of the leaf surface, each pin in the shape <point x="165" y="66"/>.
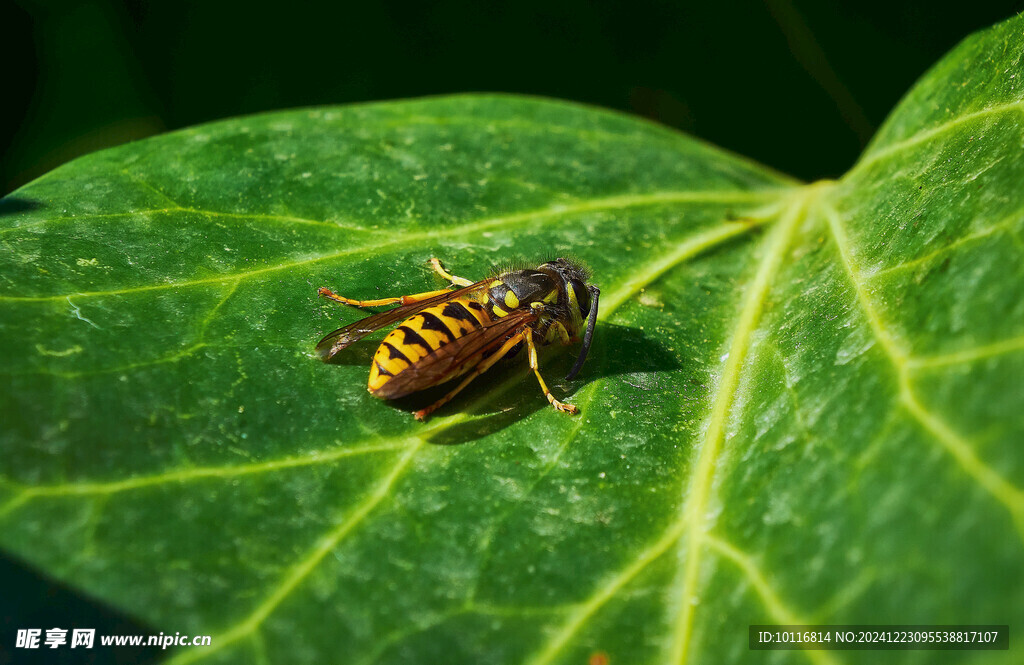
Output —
<point x="802" y="403"/>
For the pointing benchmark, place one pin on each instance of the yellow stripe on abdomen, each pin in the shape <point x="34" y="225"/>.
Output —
<point x="422" y="334"/>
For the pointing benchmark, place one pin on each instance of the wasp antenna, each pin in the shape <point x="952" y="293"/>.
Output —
<point x="589" y="337"/>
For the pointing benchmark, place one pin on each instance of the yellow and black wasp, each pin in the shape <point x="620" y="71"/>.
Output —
<point x="447" y="334"/>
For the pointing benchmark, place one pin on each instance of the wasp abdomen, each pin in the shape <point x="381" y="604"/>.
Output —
<point x="421" y="334"/>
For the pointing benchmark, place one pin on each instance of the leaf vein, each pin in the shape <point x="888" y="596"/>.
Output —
<point x="549" y="214"/>
<point x="700" y="485"/>
<point x="302" y="569"/>
<point x="289" y="219"/>
<point x="873" y="157"/>
<point x="496" y="523"/>
<point x="612" y="584"/>
<point x="994" y="349"/>
<point x="1005" y="225"/>
<point x="197" y="473"/>
<point x="958" y="448"/>
<point x="775" y="606"/>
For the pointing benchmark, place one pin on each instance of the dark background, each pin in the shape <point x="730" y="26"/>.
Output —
<point x="800" y="85"/>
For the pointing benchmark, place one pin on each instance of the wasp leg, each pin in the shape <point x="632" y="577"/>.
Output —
<point x="480" y="369"/>
<point x="456" y="281"/>
<point x="561" y="406"/>
<point x="405" y="300"/>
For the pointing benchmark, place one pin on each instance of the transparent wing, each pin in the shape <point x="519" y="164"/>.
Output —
<point x="335" y="341"/>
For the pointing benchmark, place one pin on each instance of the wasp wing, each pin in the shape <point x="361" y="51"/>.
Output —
<point x="335" y="341"/>
<point x="466" y="351"/>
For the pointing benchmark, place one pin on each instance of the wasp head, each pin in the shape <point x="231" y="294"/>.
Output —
<point x="582" y="300"/>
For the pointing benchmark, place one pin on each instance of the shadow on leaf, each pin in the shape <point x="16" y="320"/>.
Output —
<point x="510" y="393"/>
<point x="12" y="205"/>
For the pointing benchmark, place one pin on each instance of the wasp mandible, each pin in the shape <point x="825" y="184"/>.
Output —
<point x="463" y="333"/>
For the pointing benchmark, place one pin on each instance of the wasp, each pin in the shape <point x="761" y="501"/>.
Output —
<point x="447" y="334"/>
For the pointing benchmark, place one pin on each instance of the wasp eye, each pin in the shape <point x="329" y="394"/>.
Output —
<point x="582" y="295"/>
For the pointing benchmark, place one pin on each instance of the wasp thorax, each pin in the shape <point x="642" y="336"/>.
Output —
<point x="520" y="288"/>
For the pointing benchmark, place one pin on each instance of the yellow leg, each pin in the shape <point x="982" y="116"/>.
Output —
<point x="456" y="281"/>
<point x="480" y="369"/>
<point x="405" y="300"/>
<point x="532" y="349"/>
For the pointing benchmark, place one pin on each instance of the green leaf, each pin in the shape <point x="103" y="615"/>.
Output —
<point x="802" y="404"/>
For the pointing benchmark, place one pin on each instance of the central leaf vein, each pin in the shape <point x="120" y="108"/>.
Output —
<point x="699" y="490"/>
<point x="700" y="482"/>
